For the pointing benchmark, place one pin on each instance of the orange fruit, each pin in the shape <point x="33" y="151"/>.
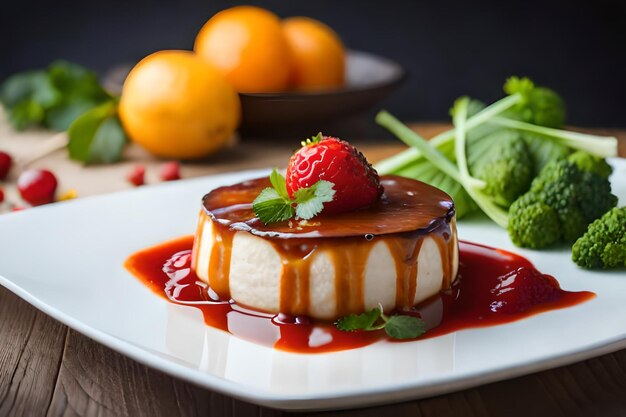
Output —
<point x="317" y="54"/>
<point x="176" y="105"/>
<point x="247" y="44"/>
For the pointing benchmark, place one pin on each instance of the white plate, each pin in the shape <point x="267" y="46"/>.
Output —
<point x="66" y="259"/>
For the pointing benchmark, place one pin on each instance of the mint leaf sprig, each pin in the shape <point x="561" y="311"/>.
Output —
<point x="396" y="326"/>
<point x="273" y="204"/>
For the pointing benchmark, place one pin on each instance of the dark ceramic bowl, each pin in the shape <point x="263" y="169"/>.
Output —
<point x="369" y="79"/>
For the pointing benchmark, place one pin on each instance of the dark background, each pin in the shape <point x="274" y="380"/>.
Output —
<point x="449" y="47"/>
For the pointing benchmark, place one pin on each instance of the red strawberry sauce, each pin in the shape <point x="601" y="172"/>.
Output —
<point x="493" y="287"/>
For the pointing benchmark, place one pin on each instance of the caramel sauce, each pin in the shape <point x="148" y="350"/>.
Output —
<point x="468" y="303"/>
<point x="406" y="206"/>
<point x="407" y="212"/>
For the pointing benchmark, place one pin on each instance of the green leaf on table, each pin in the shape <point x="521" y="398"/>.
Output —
<point x="25" y="114"/>
<point x="53" y="97"/>
<point x="31" y="85"/>
<point x="97" y="136"/>
<point x="79" y="90"/>
<point x="26" y="97"/>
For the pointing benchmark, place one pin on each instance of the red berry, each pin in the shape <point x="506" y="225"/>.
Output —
<point x="1" y="195"/>
<point x="5" y="165"/>
<point x="356" y="182"/>
<point x="37" y="186"/>
<point x="17" y="208"/>
<point x="170" y="171"/>
<point x="137" y="176"/>
<point x="522" y="289"/>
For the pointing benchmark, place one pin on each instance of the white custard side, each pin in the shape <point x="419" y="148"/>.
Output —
<point x="256" y="270"/>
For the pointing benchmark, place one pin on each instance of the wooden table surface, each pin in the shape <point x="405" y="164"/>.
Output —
<point x="48" y="369"/>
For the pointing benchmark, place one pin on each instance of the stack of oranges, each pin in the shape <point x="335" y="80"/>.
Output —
<point x="184" y="105"/>
<point x="259" y="53"/>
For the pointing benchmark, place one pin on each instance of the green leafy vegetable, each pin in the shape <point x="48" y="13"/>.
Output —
<point x="506" y="166"/>
<point x="97" y="136"/>
<point x="590" y="163"/>
<point x="493" y="152"/>
<point x="540" y="106"/>
<point x="53" y="97"/>
<point x="273" y="204"/>
<point x="396" y="326"/>
<point x="603" y="246"/>
<point x="561" y="203"/>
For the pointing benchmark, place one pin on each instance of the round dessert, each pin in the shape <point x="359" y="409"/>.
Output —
<point x="397" y="252"/>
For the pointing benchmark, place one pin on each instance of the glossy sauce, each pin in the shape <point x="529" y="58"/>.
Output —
<point x="407" y="213"/>
<point x="472" y="301"/>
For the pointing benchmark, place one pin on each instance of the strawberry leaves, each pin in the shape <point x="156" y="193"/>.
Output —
<point x="273" y="204"/>
<point x="312" y="140"/>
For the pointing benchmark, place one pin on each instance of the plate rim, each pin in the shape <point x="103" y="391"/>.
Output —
<point x="364" y="397"/>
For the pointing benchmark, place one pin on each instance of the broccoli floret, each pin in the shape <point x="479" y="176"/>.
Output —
<point x="595" y="196"/>
<point x="573" y="223"/>
<point x="604" y="243"/>
<point x="544" y="151"/>
<point x="557" y="183"/>
<point x="541" y="106"/>
<point x="532" y="223"/>
<point x="575" y="198"/>
<point x="547" y="108"/>
<point x="590" y="163"/>
<point x="506" y="167"/>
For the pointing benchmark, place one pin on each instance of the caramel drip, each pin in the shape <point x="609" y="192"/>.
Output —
<point x="219" y="261"/>
<point x="295" y="280"/>
<point x="412" y="279"/>
<point x="453" y="246"/>
<point x="349" y="263"/>
<point x="197" y="239"/>
<point x="446" y="243"/>
<point x="443" y="246"/>
<point x="349" y="258"/>
<point x="404" y="252"/>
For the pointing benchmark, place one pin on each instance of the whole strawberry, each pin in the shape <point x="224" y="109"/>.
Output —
<point x="355" y="182"/>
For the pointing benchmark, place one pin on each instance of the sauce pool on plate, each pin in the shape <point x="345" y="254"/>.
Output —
<point x="492" y="287"/>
